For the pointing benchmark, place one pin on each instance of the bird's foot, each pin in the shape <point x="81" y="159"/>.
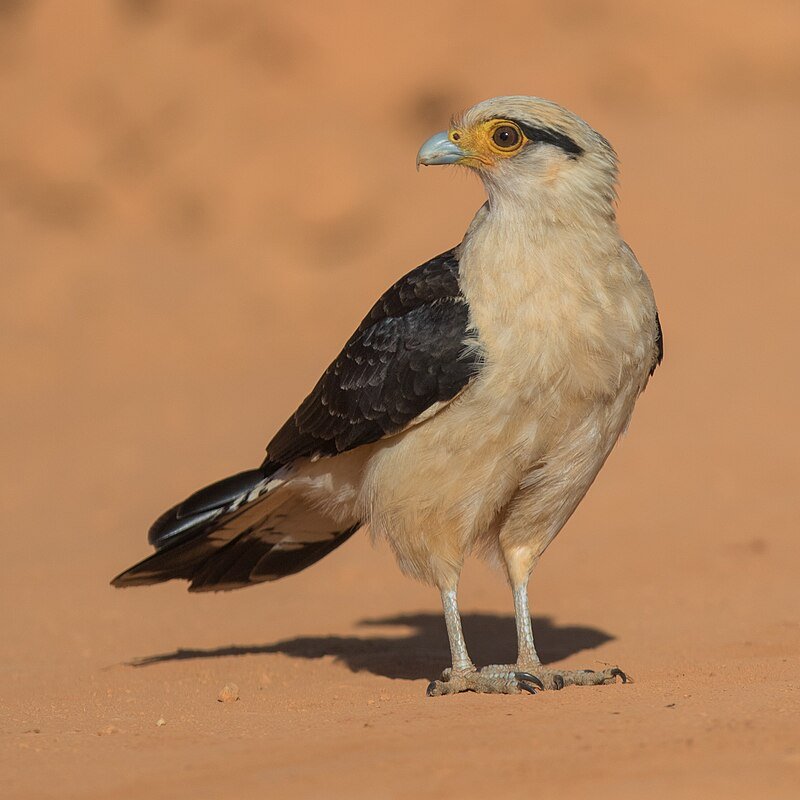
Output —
<point x="559" y="678"/>
<point x="510" y="681"/>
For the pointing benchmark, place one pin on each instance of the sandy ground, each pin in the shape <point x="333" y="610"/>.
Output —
<point x="198" y="200"/>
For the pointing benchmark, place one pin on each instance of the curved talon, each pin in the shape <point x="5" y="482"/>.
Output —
<point x="505" y="679"/>
<point x="616" y="672"/>
<point x="528" y="678"/>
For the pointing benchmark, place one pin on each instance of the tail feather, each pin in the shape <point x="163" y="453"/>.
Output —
<point x="179" y="560"/>
<point x="249" y="528"/>
<point x="230" y="568"/>
<point x="289" y="559"/>
<point x="233" y="568"/>
<point x="205" y="505"/>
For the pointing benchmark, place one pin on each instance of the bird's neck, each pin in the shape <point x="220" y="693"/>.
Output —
<point x="559" y="281"/>
<point x="537" y="251"/>
<point x="536" y="231"/>
<point x="569" y="206"/>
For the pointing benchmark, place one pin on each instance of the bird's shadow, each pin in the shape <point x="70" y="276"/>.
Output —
<point x="418" y="653"/>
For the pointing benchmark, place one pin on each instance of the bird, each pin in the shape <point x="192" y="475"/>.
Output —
<point x="473" y="406"/>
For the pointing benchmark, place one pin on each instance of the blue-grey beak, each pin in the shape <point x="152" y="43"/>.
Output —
<point x="439" y="150"/>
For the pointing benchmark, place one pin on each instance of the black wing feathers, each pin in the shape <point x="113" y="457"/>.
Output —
<point x="408" y="353"/>
<point x="659" y="346"/>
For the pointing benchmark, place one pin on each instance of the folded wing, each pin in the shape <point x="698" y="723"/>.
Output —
<point x="412" y="353"/>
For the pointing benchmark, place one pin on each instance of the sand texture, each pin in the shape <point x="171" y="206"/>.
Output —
<point x="198" y="202"/>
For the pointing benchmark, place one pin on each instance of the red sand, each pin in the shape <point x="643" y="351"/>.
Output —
<point x="198" y="201"/>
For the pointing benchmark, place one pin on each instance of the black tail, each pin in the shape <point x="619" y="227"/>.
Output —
<point x="249" y="528"/>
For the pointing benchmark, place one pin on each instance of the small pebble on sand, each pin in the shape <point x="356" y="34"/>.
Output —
<point x="161" y="722"/>
<point x="229" y="693"/>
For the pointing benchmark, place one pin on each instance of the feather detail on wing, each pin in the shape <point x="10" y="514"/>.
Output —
<point x="409" y="356"/>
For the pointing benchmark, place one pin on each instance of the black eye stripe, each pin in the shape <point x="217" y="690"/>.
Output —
<point x="550" y="136"/>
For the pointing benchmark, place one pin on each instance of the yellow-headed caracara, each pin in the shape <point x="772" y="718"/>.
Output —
<point x="473" y="406"/>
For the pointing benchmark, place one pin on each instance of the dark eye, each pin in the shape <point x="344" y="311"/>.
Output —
<point x="506" y="137"/>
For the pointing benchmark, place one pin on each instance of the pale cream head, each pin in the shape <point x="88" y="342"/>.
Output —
<point x="529" y="150"/>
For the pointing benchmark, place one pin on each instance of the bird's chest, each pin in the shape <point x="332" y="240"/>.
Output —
<point x="550" y="328"/>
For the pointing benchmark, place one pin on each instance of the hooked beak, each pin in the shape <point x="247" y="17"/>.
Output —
<point x="439" y="150"/>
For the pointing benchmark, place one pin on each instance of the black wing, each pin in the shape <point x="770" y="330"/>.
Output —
<point x="411" y="351"/>
<point x="659" y="346"/>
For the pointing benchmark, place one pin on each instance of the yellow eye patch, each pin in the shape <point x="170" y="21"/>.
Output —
<point x="486" y="142"/>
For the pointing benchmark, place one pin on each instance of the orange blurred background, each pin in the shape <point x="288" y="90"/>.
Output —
<point x="198" y="202"/>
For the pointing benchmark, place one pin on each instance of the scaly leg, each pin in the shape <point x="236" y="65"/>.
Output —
<point x="528" y="660"/>
<point x="462" y="676"/>
<point x="458" y="647"/>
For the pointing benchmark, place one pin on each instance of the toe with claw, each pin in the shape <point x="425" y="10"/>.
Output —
<point x="556" y="679"/>
<point x="511" y="682"/>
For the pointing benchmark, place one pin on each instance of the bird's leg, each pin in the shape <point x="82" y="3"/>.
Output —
<point x="527" y="657"/>
<point x="462" y="663"/>
<point x="528" y="662"/>
<point x="462" y="676"/>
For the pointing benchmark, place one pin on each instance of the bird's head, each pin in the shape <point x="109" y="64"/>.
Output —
<point x="529" y="150"/>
